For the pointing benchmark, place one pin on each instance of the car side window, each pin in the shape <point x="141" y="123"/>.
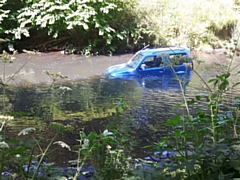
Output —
<point x="152" y="62"/>
<point x="178" y="59"/>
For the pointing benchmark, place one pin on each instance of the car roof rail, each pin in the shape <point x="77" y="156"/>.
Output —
<point x="145" y="47"/>
<point x="155" y="52"/>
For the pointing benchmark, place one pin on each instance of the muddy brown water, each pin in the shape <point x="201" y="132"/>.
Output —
<point x="93" y="98"/>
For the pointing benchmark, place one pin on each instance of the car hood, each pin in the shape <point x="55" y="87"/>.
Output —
<point x="119" y="70"/>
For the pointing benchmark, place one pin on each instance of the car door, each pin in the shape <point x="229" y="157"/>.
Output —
<point x="151" y="66"/>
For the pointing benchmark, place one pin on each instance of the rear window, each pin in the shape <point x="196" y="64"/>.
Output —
<point x="178" y="59"/>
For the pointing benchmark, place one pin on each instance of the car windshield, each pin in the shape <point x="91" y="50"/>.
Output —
<point x="134" y="61"/>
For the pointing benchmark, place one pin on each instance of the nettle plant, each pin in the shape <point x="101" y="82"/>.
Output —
<point x="204" y="140"/>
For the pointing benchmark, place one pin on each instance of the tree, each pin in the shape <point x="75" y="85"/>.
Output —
<point x="190" y="23"/>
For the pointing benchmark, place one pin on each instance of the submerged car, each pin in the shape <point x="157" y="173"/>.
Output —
<point x="154" y="62"/>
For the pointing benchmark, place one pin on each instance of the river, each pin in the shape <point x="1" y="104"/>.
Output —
<point x="86" y="99"/>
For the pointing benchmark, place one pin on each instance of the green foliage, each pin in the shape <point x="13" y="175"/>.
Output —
<point x="8" y="21"/>
<point x="96" y="26"/>
<point x="90" y="23"/>
<point x="106" y="152"/>
<point x="191" y="23"/>
<point x="4" y="14"/>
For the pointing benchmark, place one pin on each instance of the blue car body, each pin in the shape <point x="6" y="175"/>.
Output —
<point x="155" y="62"/>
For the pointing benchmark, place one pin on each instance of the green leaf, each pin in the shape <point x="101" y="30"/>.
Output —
<point x="172" y="122"/>
<point x="212" y="80"/>
<point x="177" y="132"/>
<point x="190" y="165"/>
<point x="223" y="76"/>
<point x="92" y="136"/>
<point x="82" y="134"/>
<point x="223" y="85"/>
<point x="191" y="102"/>
<point x="221" y="176"/>
<point x="162" y="142"/>
<point x="198" y="98"/>
<point x="235" y="165"/>
<point x="201" y="114"/>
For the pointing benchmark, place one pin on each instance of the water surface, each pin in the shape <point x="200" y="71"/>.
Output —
<point x="86" y="99"/>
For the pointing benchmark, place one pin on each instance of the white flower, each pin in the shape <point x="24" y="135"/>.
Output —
<point x="26" y="131"/>
<point x="85" y="144"/>
<point x="65" y="88"/>
<point x="63" y="144"/>
<point x="6" y="117"/>
<point x="108" y="147"/>
<point x="107" y="133"/>
<point x="4" y="145"/>
<point x="18" y="155"/>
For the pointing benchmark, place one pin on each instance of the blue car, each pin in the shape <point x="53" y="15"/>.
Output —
<point x="154" y="62"/>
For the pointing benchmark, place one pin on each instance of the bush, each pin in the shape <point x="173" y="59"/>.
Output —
<point x="92" y="25"/>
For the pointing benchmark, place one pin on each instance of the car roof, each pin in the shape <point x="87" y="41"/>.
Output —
<point x="151" y="51"/>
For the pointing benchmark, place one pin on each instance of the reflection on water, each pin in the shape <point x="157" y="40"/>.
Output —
<point x="87" y="102"/>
